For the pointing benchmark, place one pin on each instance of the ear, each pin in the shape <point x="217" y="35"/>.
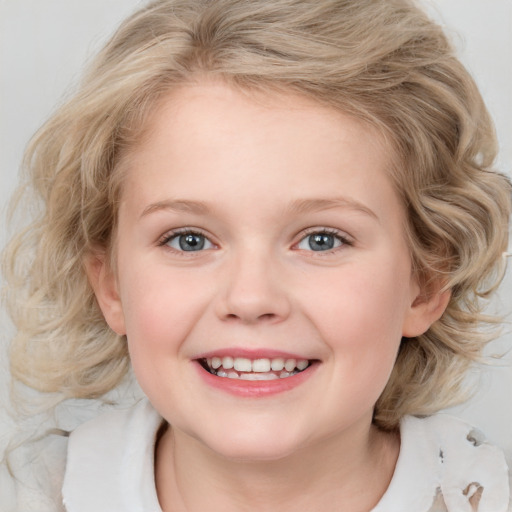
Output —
<point x="427" y="305"/>
<point x="104" y="283"/>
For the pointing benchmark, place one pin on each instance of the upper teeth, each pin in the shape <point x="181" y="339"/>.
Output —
<point x="242" y="364"/>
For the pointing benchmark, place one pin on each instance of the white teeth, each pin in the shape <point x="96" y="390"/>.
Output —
<point x="277" y="364"/>
<point x="227" y="362"/>
<point x="289" y="366"/>
<point x="261" y="365"/>
<point x="302" y="364"/>
<point x="242" y="365"/>
<point x="258" y="376"/>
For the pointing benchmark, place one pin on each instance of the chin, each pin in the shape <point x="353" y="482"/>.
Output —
<point x="252" y="448"/>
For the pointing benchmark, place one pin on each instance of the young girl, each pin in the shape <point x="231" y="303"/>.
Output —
<point x="283" y="215"/>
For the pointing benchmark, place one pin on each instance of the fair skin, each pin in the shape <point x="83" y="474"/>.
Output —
<point x="263" y="228"/>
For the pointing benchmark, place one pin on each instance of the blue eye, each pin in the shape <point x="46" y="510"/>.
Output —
<point x="321" y="241"/>
<point x="188" y="242"/>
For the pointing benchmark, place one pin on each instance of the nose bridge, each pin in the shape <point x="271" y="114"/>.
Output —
<point x="253" y="290"/>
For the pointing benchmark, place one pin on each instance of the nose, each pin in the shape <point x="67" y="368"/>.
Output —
<point x="252" y="291"/>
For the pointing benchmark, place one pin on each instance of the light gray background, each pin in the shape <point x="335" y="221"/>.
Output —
<point x="44" y="43"/>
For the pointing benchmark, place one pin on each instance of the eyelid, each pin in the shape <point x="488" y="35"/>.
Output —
<point x="346" y="240"/>
<point x="169" y="235"/>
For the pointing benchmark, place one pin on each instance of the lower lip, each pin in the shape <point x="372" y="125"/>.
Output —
<point x="258" y="388"/>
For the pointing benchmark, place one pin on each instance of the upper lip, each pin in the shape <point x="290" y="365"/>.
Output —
<point x="262" y="353"/>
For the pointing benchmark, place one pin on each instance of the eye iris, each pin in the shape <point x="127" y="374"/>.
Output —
<point x="191" y="242"/>
<point x="321" y="242"/>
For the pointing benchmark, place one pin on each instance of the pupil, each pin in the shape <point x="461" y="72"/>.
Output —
<point x="191" y="242"/>
<point x="321" y="242"/>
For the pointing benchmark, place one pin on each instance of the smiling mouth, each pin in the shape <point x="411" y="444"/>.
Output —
<point x="254" y="369"/>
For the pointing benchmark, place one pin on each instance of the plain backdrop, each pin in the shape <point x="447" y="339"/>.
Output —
<point x="44" y="44"/>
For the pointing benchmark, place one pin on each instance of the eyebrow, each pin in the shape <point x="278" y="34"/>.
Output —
<point x="314" y="205"/>
<point x="297" y="206"/>
<point x="178" y="205"/>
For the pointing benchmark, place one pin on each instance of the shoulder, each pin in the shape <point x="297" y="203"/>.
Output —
<point x="109" y="429"/>
<point x="446" y="464"/>
<point x="31" y="477"/>
<point x="471" y="466"/>
<point x="508" y="456"/>
<point x="110" y="460"/>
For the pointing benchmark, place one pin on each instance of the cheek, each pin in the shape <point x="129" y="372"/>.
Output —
<point x="360" y="303"/>
<point x="160" y="307"/>
<point x="360" y="319"/>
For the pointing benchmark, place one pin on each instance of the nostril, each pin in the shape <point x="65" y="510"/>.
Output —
<point x="265" y="317"/>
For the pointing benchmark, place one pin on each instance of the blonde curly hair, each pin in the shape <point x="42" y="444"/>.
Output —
<point x="383" y="61"/>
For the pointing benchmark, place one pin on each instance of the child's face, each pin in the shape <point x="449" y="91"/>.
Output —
<point x="261" y="229"/>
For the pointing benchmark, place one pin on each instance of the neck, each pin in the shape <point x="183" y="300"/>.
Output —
<point x="350" y="474"/>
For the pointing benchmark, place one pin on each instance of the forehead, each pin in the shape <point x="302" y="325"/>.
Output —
<point x="216" y="134"/>
<point x="194" y="104"/>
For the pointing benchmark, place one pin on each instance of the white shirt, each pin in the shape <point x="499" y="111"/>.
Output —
<point x="442" y="463"/>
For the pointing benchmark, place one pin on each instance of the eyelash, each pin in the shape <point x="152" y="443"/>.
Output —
<point x="339" y="235"/>
<point x="164" y="241"/>
<point x="342" y="238"/>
